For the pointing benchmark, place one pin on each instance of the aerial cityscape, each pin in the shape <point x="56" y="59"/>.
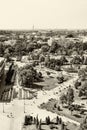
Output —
<point x="43" y="82"/>
<point x="43" y="65"/>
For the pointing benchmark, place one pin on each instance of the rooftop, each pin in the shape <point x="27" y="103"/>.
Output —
<point x="1" y="59"/>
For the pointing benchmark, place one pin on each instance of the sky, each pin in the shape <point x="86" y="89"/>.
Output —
<point x="43" y="14"/>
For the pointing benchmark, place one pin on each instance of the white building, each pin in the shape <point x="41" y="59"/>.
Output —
<point x="50" y="41"/>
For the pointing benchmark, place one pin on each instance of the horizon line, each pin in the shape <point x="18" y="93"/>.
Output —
<point x="50" y="29"/>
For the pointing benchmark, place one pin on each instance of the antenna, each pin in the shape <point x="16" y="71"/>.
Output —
<point x="33" y="27"/>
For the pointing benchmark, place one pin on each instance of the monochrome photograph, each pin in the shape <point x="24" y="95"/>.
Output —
<point x="43" y="64"/>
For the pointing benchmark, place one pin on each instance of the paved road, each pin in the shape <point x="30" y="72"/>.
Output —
<point x="32" y="108"/>
<point x="17" y="114"/>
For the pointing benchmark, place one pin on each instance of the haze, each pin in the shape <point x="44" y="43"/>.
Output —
<point x="43" y="14"/>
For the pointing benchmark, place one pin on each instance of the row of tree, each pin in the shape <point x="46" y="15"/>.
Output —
<point x="29" y="120"/>
<point x="10" y="75"/>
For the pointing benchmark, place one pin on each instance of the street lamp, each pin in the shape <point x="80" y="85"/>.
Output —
<point x="3" y="108"/>
<point x="24" y="101"/>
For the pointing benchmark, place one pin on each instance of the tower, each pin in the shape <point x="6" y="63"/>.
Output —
<point x="33" y="28"/>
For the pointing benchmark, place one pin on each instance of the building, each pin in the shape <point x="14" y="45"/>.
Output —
<point x="2" y="74"/>
<point x="2" y="67"/>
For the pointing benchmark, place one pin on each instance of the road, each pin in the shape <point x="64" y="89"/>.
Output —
<point x="17" y="116"/>
<point x="31" y="106"/>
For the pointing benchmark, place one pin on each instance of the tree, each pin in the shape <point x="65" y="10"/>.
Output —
<point x="57" y="120"/>
<point x="62" y="126"/>
<point x="58" y="68"/>
<point x="71" y="108"/>
<point x="63" y="99"/>
<point x="63" y="60"/>
<point x="40" y="124"/>
<point x="83" y="125"/>
<point x="82" y="74"/>
<point x="48" y="120"/>
<point x="37" y="121"/>
<point x="83" y="90"/>
<point x="30" y="47"/>
<point x="20" y="48"/>
<point x="70" y="96"/>
<point x="2" y="48"/>
<point x="76" y="60"/>
<point x="60" y="78"/>
<point x="85" y="46"/>
<point x="60" y="120"/>
<point x="77" y="84"/>
<point x="59" y="62"/>
<point x="70" y="36"/>
<point x="47" y="61"/>
<point x="41" y="58"/>
<point x="34" y="120"/>
<point x="85" y="61"/>
<point x="28" y="75"/>
<point x="54" y="47"/>
<point x="45" y="48"/>
<point x="7" y="56"/>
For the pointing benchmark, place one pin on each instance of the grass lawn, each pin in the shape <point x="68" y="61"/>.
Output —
<point x="64" y="111"/>
<point x="50" y="81"/>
